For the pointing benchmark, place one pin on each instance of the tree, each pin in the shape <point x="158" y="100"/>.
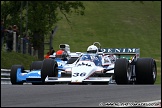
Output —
<point x="41" y="17"/>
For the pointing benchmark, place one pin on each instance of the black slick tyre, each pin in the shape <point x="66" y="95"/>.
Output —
<point x="36" y="65"/>
<point x="49" y="68"/>
<point x="122" y="71"/>
<point x="146" y="71"/>
<point x="13" y="74"/>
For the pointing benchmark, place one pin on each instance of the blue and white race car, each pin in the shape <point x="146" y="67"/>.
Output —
<point x="19" y="75"/>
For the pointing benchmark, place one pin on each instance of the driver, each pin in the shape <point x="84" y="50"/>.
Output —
<point x="61" y="54"/>
<point x="92" y="49"/>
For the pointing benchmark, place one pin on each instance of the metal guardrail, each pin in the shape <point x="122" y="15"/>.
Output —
<point x="5" y="76"/>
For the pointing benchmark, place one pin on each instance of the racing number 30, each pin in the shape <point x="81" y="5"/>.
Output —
<point x="79" y="74"/>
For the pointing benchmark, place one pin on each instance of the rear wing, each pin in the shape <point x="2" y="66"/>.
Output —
<point x="65" y="47"/>
<point x="122" y="52"/>
<point x="71" y="54"/>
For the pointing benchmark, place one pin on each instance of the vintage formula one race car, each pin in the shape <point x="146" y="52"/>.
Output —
<point x="98" y="66"/>
<point x="18" y="75"/>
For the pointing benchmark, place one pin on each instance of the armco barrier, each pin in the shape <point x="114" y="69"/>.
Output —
<point x="5" y="76"/>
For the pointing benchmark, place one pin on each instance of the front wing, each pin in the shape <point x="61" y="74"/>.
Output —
<point x="109" y="80"/>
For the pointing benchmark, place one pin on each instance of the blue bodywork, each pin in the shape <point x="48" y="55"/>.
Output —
<point x="29" y="76"/>
<point x="35" y="75"/>
<point x="61" y="64"/>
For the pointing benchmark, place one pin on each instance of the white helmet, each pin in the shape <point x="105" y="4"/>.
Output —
<point x="92" y="49"/>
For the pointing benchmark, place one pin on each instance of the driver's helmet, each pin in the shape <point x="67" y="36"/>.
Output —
<point x="60" y="54"/>
<point x="85" y="58"/>
<point x="92" y="49"/>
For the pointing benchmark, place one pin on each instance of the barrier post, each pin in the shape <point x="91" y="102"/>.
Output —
<point x="32" y="51"/>
<point x="14" y="41"/>
<point x="27" y="48"/>
<point x="21" y="45"/>
<point x="36" y="53"/>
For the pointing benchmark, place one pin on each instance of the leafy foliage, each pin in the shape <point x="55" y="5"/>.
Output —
<point x="41" y="14"/>
<point x="38" y="17"/>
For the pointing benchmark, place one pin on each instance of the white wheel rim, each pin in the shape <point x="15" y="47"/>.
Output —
<point x="154" y="73"/>
<point x="128" y="74"/>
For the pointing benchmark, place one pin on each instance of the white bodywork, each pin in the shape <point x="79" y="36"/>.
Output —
<point x="81" y="71"/>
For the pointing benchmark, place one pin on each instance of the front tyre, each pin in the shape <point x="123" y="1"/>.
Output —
<point x="49" y="68"/>
<point x="13" y="74"/>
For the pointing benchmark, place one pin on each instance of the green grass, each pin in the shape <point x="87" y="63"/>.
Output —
<point x="12" y="58"/>
<point x="115" y="24"/>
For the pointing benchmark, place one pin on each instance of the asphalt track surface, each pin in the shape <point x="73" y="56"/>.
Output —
<point x="75" y="95"/>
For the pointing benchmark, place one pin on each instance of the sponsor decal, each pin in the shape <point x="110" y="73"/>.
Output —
<point x="119" y="50"/>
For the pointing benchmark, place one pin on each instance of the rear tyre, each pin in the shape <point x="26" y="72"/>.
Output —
<point x="36" y="65"/>
<point x="122" y="71"/>
<point x="146" y="71"/>
<point x="13" y="74"/>
<point x="49" y="68"/>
